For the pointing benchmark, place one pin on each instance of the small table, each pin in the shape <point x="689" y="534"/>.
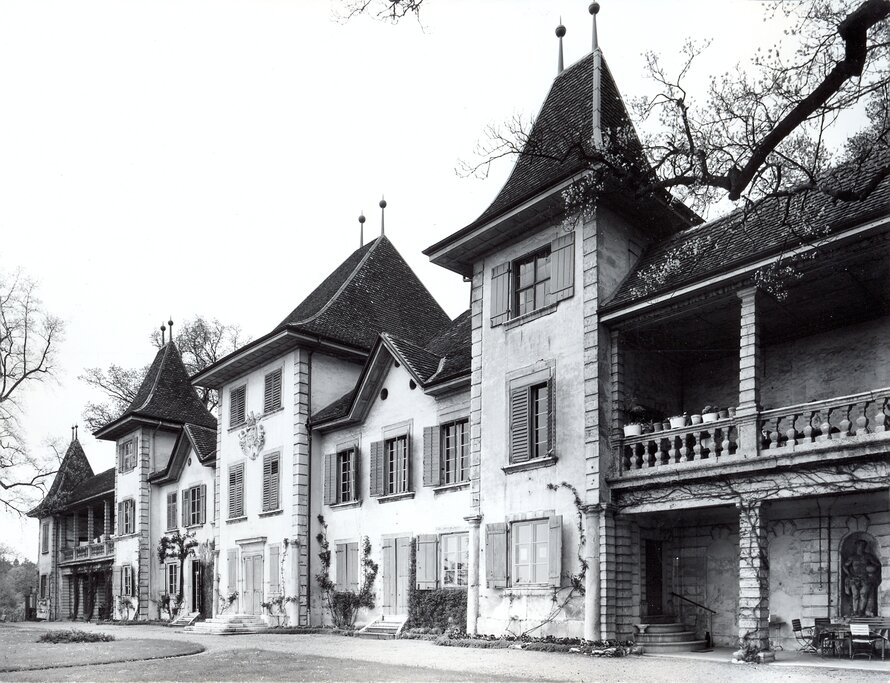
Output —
<point x="775" y="623"/>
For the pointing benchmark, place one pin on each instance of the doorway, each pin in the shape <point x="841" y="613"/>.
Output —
<point x="654" y="579"/>
<point x="196" y="588"/>
<point x="396" y="574"/>
<point x="253" y="584"/>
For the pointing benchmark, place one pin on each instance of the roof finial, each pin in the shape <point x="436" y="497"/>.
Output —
<point x="560" y="32"/>
<point x="163" y="334"/>
<point x="361" y="229"/>
<point x="73" y="432"/>
<point x="382" y="212"/>
<point x="170" y="325"/>
<point x="597" y="79"/>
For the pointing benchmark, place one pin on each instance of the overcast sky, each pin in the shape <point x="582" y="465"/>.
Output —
<point x="177" y="158"/>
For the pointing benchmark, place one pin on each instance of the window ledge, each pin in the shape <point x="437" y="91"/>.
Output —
<point x="235" y="520"/>
<point x="195" y="526"/>
<point x="532" y="464"/>
<point x="271" y="412"/>
<point x="392" y="497"/>
<point x="530" y="589"/>
<point x="272" y="513"/>
<point x="348" y="504"/>
<point x="122" y="536"/>
<point x="533" y="315"/>
<point x="451" y="487"/>
<point x="235" y="428"/>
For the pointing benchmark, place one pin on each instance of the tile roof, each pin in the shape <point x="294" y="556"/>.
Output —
<point x="94" y="486"/>
<point x="374" y="290"/>
<point x="203" y="440"/>
<point x="445" y="357"/>
<point x="73" y="481"/>
<point x="166" y="394"/>
<point x="746" y="235"/>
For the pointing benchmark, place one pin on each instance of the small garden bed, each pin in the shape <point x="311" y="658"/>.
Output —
<point x="602" y="648"/>
<point x="74" y="636"/>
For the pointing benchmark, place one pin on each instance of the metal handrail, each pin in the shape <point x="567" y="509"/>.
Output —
<point x="693" y="602"/>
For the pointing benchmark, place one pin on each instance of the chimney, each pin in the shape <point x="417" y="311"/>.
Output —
<point x="597" y="79"/>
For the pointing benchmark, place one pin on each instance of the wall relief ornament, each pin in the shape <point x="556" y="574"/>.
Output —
<point x="253" y="437"/>
<point x="860" y="575"/>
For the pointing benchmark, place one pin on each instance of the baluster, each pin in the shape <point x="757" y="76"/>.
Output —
<point x="881" y="416"/>
<point x="825" y="426"/>
<point x="661" y="455"/>
<point x="697" y="438"/>
<point x="808" y="427"/>
<point x="685" y="454"/>
<point x="724" y="446"/>
<point x="648" y="459"/>
<point x="774" y="435"/>
<point x="626" y="453"/>
<point x="791" y="432"/>
<point x="862" y="420"/>
<point x="845" y="421"/>
<point x="675" y="452"/>
<point x="638" y="450"/>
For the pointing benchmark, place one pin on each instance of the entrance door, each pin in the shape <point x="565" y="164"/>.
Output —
<point x="196" y="588"/>
<point x="253" y="584"/>
<point x="654" y="579"/>
<point x="396" y="574"/>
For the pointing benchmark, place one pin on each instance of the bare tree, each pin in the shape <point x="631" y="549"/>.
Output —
<point x="388" y="10"/>
<point x="201" y="343"/>
<point x="29" y="337"/>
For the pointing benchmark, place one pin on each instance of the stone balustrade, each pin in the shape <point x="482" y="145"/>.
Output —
<point x="92" y="551"/>
<point x="706" y="441"/>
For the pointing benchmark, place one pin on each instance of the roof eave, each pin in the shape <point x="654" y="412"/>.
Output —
<point x="127" y="423"/>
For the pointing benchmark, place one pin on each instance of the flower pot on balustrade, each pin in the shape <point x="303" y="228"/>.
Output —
<point x="634" y="429"/>
<point x="695" y="419"/>
<point x="710" y="417"/>
<point x="666" y="425"/>
<point x="678" y="421"/>
<point x="724" y="413"/>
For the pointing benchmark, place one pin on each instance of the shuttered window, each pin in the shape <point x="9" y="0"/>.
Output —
<point x="126" y="517"/>
<point x="172" y="579"/>
<point x="194" y="504"/>
<point x="455" y="452"/>
<point x="126" y="455"/>
<point x="341" y="482"/>
<point x="171" y="511"/>
<point x="236" y="491"/>
<point x="536" y="552"/>
<point x="346" y="559"/>
<point x="237" y="405"/>
<point x="43" y="594"/>
<point x="427" y="562"/>
<point x="271" y="482"/>
<point x="531" y="421"/>
<point x="272" y="392"/>
<point x="127" y="580"/>
<point x="455" y="560"/>
<point x="44" y="537"/>
<point x="274" y="569"/>
<point x="532" y="282"/>
<point x="396" y="463"/>
<point x="232" y="569"/>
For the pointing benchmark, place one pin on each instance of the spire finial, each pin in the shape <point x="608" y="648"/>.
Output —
<point x="170" y="325"/>
<point x="560" y="32"/>
<point x="597" y="82"/>
<point x="382" y="212"/>
<point x="361" y="229"/>
<point x="163" y="334"/>
<point x="73" y="432"/>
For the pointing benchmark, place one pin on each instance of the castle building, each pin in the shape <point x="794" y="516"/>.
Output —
<point x="633" y="424"/>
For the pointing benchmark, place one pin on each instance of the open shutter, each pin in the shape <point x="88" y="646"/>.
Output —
<point x="274" y="569"/>
<point x="432" y="467"/>
<point x="116" y="580"/>
<point x="427" y="567"/>
<point x="120" y="519"/>
<point x="352" y="566"/>
<point x="330" y="479"/>
<point x="232" y="569"/>
<point x="496" y="555"/>
<point x="340" y="560"/>
<point x="554" y="550"/>
<point x="389" y="568"/>
<point x="354" y="488"/>
<point x="203" y="509"/>
<point x="500" y="294"/>
<point x="409" y="464"/>
<point x="562" y="264"/>
<point x="131" y="574"/>
<point x="267" y="483"/>
<point x="519" y="427"/>
<point x="551" y="418"/>
<point x="186" y="507"/>
<point x="377" y="478"/>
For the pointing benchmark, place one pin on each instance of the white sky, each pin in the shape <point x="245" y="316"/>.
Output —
<point x="173" y="158"/>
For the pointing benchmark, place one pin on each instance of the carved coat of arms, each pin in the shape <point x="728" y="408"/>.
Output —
<point x="252" y="437"/>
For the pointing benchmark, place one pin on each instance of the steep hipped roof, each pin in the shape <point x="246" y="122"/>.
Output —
<point x="770" y="227"/>
<point x="446" y="357"/>
<point x="74" y="471"/>
<point x="166" y="394"/>
<point x="102" y="483"/>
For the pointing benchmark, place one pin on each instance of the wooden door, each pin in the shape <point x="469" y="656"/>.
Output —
<point x="253" y="584"/>
<point x="654" y="579"/>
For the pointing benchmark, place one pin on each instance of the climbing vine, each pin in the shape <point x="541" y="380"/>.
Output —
<point x="176" y="546"/>
<point x="344" y="605"/>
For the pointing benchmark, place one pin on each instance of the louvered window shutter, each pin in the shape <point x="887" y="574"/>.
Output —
<point x="551" y="417"/>
<point x="562" y="263"/>
<point x="354" y="462"/>
<point x="409" y="463"/>
<point x="352" y="566"/>
<point x="330" y="479"/>
<point x="427" y="567"/>
<point x="116" y="580"/>
<point x="389" y="566"/>
<point x="186" y="507"/>
<point x="267" y="483"/>
<point x="432" y="468"/>
<point x="275" y="482"/>
<point x="232" y="569"/>
<point x="500" y="294"/>
<point x="237" y="402"/>
<point x="203" y="508"/>
<point x="340" y="560"/>
<point x="496" y="555"/>
<point x="272" y="392"/>
<point x="274" y="569"/>
<point x="120" y="519"/>
<point x="236" y="491"/>
<point x="377" y="471"/>
<point x="131" y="576"/>
<point x="554" y="550"/>
<point x="519" y="425"/>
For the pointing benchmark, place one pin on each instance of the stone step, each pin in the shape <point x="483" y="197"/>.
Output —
<point x="666" y="628"/>
<point x="683" y="646"/>
<point x="672" y="637"/>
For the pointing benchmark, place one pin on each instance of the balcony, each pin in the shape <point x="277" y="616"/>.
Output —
<point x="87" y="552"/>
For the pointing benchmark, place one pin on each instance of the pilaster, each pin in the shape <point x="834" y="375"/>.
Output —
<point x="750" y="371"/>
<point x="592" y="593"/>
<point x="474" y="522"/>
<point x="300" y="486"/>
<point x="476" y="292"/>
<point x="753" y="612"/>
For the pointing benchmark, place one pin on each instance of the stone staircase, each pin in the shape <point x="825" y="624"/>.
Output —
<point x="386" y="627"/>
<point x="660" y="638"/>
<point x="229" y="625"/>
<point x="185" y="619"/>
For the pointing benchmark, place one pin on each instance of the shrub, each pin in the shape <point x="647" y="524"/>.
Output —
<point x="74" y="636"/>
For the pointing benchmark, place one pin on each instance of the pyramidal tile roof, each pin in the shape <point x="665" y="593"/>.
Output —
<point x="165" y="394"/>
<point x="374" y="290"/>
<point x="73" y="472"/>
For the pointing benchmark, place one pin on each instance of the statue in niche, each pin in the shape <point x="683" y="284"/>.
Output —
<point x="861" y="574"/>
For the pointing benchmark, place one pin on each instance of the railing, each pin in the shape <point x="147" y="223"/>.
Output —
<point x="838" y="418"/>
<point x="100" y="550"/>
<point x="706" y="441"/>
<point x="693" y="602"/>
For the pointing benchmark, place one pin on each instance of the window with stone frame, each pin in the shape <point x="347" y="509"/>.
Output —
<point x="126" y="455"/>
<point x="396" y="465"/>
<point x="126" y="517"/>
<point x="44" y="537"/>
<point x="531" y="420"/>
<point x="272" y="391"/>
<point x="238" y="406"/>
<point x="43" y="586"/>
<point x="455" y="560"/>
<point x="455" y="458"/>
<point x="194" y="505"/>
<point x="236" y="491"/>
<point x="530" y="552"/>
<point x="532" y="282"/>
<point x="341" y="484"/>
<point x="172" y="578"/>
<point x="127" y="580"/>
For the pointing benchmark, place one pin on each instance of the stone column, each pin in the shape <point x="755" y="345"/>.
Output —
<point x="753" y="612"/>
<point x="616" y="359"/>
<point x="214" y="603"/>
<point x="292" y="586"/>
<point x="750" y="373"/>
<point x="106" y="523"/>
<point x="91" y="524"/>
<point x="592" y="628"/>
<point x="473" y="574"/>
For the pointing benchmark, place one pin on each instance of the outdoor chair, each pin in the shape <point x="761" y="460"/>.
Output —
<point x="824" y="638"/>
<point x="805" y="636"/>
<point x="862" y="641"/>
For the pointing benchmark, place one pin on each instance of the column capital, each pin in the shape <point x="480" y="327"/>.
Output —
<point x="747" y="293"/>
<point x="473" y="520"/>
<point x="598" y="508"/>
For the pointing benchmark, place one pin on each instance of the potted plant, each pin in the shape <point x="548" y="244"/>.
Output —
<point x="637" y="416"/>
<point x="678" y="421"/>
<point x="724" y="413"/>
<point x="710" y="414"/>
<point x="633" y="429"/>
<point x="695" y="419"/>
